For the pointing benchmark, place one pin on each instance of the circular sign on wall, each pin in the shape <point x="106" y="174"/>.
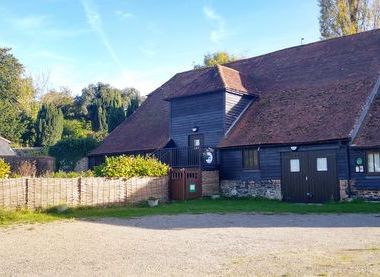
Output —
<point x="359" y="161"/>
<point x="208" y="155"/>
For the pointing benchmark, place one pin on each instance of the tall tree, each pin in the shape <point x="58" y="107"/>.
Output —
<point x="49" y="125"/>
<point x="220" y="57"/>
<point x="16" y="96"/>
<point x="61" y="99"/>
<point x="346" y="17"/>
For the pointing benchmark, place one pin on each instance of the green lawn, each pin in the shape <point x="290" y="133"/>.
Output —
<point x="191" y="207"/>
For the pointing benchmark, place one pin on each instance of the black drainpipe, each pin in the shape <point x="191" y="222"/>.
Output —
<point x="349" y="169"/>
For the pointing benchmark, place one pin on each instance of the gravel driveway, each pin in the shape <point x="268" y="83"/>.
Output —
<point x="232" y="244"/>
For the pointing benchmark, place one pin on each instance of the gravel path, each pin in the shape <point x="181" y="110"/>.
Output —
<point x="194" y="245"/>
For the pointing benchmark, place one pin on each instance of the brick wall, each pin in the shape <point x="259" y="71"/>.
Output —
<point x="210" y="182"/>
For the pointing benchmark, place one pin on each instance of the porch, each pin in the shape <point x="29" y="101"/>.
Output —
<point x="205" y="158"/>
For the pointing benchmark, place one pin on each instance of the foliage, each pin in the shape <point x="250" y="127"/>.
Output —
<point x="5" y="169"/>
<point x="16" y="96"/>
<point x="213" y="59"/>
<point x="11" y="127"/>
<point x="128" y="166"/>
<point x="76" y="129"/>
<point x="61" y="99"/>
<point x="26" y="168"/>
<point x="106" y="107"/>
<point x="346" y="17"/>
<point x="70" y="174"/>
<point x="49" y="125"/>
<point x="68" y="151"/>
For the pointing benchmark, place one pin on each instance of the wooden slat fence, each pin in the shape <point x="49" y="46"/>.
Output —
<point x="92" y="191"/>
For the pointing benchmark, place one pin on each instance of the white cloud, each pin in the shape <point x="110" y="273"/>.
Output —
<point x="220" y="32"/>
<point x="123" y="14"/>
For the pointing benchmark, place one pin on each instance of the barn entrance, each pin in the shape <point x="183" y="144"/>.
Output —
<point x="185" y="183"/>
<point x="309" y="177"/>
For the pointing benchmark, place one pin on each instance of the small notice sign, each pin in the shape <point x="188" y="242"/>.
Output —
<point x="192" y="187"/>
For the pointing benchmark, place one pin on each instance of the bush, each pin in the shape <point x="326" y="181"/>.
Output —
<point x="5" y="169"/>
<point x="128" y="166"/>
<point x="68" y="152"/>
<point x="27" y="168"/>
<point x="71" y="174"/>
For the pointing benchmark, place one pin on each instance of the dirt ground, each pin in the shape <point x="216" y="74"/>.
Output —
<point x="196" y="245"/>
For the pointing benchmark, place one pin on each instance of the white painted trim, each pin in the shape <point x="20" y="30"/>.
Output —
<point x="240" y="115"/>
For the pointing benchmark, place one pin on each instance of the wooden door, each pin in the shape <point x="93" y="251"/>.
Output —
<point x="195" y="144"/>
<point x="185" y="183"/>
<point x="309" y="176"/>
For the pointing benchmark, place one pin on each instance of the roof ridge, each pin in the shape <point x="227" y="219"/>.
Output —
<point x="304" y="45"/>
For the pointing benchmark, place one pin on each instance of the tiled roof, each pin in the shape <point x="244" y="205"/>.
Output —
<point x="369" y="133"/>
<point x="308" y="93"/>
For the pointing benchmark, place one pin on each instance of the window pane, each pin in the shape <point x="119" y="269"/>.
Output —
<point x="371" y="167"/>
<point x="294" y="165"/>
<point x="321" y="164"/>
<point x="377" y="161"/>
<point x="250" y="159"/>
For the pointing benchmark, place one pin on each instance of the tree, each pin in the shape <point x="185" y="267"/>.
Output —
<point x="75" y="129"/>
<point x="132" y="100"/>
<point x="346" y="17"/>
<point x="61" y="99"/>
<point x="213" y="59"/>
<point x="16" y="96"/>
<point x="49" y="125"/>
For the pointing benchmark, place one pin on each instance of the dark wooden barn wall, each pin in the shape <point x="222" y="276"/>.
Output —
<point x="231" y="167"/>
<point x="204" y="111"/>
<point x="363" y="180"/>
<point x="235" y="104"/>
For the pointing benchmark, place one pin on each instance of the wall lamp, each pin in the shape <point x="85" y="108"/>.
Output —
<point x="194" y="129"/>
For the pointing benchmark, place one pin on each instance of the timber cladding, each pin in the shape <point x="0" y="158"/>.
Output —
<point x="93" y="191"/>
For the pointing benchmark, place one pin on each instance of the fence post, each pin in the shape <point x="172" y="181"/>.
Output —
<point x="80" y="190"/>
<point x="26" y="192"/>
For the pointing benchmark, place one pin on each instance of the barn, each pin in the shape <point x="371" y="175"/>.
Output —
<point x="300" y="124"/>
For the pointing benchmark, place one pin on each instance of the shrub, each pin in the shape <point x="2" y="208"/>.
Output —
<point x="27" y="168"/>
<point x="68" y="152"/>
<point x="71" y="174"/>
<point x="128" y="166"/>
<point x="5" y="169"/>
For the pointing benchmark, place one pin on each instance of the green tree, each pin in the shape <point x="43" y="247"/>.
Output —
<point x="61" y="99"/>
<point x="346" y="17"/>
<point x="16" y="96"/>
<point x="75" y="129"/>
<point x="68" y="151"/>
<point x="49" y="125"/>
<point x="213" y="59"/>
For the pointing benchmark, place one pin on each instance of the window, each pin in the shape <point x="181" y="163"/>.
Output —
<point x="197" y="142"/>
<point x="294" y="165"/>
<point x="250" y="158"/>
<point x="373" y="159"/>
<point x="321" y="164"/>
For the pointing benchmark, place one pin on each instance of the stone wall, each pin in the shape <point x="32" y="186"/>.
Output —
<point x="210" y="182"/>
<point x="92" y="191"/>
<point x="81" y="165"/>
<point x="367" y="194"/>
<point x="270" y="189"/>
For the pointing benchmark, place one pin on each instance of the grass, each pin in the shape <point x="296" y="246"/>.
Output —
<point x="8" y="217"/>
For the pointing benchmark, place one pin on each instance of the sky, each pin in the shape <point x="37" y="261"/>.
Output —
<point x="143" y="43"/>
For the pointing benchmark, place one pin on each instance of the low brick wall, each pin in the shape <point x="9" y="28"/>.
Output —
<point x="210" y="182"/>
<point x="270" y="189"/>
<point x="93" y="191"/>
